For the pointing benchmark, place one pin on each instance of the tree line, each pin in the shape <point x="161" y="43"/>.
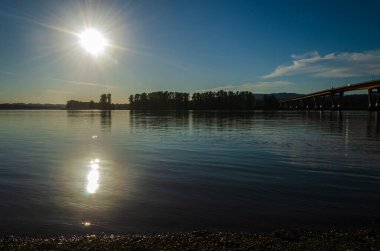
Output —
<point x="105" y="103"/>
<point x="219" y="100"/>
<point x="165" y="100"/>
<point x="159" y="100"/>
<point x="243" y="100"/>
<point x="181" y="100"/>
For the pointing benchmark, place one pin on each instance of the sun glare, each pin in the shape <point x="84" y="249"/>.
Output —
<point x="93" y="41"/>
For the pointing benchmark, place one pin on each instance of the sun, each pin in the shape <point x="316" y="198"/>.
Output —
<point x="93" y="41"/>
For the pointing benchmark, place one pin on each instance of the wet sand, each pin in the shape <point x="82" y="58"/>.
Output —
<point x="277" y="240"/>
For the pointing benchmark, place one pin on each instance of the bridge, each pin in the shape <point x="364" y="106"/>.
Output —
<point x="334" y="96"/>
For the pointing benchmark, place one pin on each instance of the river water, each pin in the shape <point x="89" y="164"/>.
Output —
<point x="66" y="172"/>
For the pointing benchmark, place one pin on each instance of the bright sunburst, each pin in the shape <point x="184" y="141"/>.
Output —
<point x="93" y="41"/>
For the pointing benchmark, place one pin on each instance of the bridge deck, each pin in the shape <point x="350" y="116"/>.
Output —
<point x="349" y="87"/>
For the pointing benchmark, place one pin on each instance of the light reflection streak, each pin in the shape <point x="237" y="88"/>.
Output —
<point x="93" y="177"/>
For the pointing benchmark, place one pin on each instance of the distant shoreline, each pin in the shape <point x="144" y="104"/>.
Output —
<point x="62" y="108"/>
<point x="158" y="110"/>
<point x="276" y="240"/>
<point x="356" y="102"/>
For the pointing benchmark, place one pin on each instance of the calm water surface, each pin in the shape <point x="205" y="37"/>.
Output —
<point x="65" y="172"/>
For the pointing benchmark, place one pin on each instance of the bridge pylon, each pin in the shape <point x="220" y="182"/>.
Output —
<point x="372" y="93"/>
<point x="336" y="100"/>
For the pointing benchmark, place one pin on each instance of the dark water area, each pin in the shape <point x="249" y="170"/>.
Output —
<point x="66" y="172"/>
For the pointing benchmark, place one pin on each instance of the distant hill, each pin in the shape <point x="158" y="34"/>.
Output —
<point x="279" y="96"/>
<point x="285" y="95"/>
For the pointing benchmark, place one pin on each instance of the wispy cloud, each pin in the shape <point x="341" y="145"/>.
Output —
<point x="333" y="65"/>
<point x="82" y="83"/>
<point x="59" y="92"/>
<point x="253" y="87"/>
<point x="8" y="73"/>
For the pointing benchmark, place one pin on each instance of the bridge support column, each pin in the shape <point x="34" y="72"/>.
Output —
<point x="370" y="106"/>
<point x="340" y="101"/>
<point x="332" y="100"/>
<point x="377" y="105"/>
<point x="336" y="103"/>
<point x="322" y="103"/>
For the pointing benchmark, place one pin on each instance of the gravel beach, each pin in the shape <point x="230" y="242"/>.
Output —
<point x="277" y="240"/>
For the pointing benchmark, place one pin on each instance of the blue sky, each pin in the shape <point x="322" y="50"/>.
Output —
<point x="260" y="46"/>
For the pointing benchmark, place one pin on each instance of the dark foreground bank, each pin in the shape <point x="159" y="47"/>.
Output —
<point x="278" y="240"/>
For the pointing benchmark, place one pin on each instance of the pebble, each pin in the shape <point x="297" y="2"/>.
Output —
<point x="276" y="240"/>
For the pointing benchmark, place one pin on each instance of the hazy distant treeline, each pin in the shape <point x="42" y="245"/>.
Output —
<point x="24" y="106"/>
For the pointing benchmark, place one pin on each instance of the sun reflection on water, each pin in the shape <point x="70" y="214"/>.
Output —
<point x="86" y="223"/>
<point x="93" y="177"/>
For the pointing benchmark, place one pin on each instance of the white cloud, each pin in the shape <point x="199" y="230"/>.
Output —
<point x="253" y="87"/>
<point x="333" y="65"/>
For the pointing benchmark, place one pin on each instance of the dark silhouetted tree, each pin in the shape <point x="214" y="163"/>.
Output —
<point x="131" y="100"/>
<point x="270" y="102"/>
<point x="92" y="104"/>
<point x="109" y="99"/>
<point x="105" y="102"/>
